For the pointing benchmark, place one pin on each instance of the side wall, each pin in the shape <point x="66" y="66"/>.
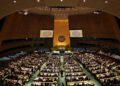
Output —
<point x="97" y="26"/>
<point x="20" y="30"/>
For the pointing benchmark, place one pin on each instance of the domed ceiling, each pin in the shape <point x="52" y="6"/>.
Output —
<point x="60" y="7"/>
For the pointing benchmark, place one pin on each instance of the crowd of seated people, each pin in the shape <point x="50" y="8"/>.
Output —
<point x="74" y="74"/>
<point x="84" y="49"/>
<point x="110" y="51"/>
<point x="48" y="75"/>
<point x="20" y="71"/>
<point x="12" y="56"/>
<point x="103" y="68"/>
<point x="110" y="54"/>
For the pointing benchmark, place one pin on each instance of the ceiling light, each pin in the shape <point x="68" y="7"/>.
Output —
<point x="106" y="1"/>
<point x="96" y="12"/>
<point x="84" y="0"/>
<point x="23" y="12"/>
<point x="38" y="1"/>
<point x="14" y="1"/>
<point x="26" y="12"/>
<point x="61" y="0"/>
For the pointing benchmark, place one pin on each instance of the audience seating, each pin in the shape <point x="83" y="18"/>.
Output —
<point x="105" y="69"/>
<point x="74" y="74"/>
<point x="19" y="71"/>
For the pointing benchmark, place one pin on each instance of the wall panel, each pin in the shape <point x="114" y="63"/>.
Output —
<point x="18" y="26"/>
<point x="102" y="25"/>
<point x="99" y="26"/>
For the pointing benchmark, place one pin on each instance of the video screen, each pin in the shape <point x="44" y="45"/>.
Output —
<point x="46" y="33"/>
<point x="76" y="33"/>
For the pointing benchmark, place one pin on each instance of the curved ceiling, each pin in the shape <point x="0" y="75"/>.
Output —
<point x="78" y="6"/>
<point x="61" y="12"/>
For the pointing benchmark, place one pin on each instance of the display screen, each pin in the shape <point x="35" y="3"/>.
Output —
<point x="76" y="33"/>
<point x="46" y="33"/>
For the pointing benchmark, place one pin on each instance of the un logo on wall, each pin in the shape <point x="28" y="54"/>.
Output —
<point x="61" y="38"/>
